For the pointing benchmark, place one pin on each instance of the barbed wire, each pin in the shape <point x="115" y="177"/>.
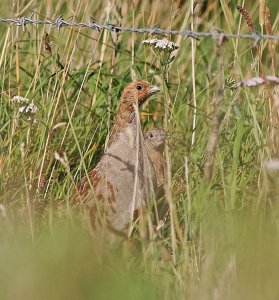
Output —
<point x="93" y="24"/>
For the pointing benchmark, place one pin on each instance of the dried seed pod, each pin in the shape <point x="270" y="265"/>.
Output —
<point x="246" y="17"/>
<point x="47" y="44"/>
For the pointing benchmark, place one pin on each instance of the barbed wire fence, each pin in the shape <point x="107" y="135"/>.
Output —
<point x="215" y="34"/>
<point x="94" y="25"/>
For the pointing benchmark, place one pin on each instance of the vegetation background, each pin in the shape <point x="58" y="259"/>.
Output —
<point x="220" y="239"/>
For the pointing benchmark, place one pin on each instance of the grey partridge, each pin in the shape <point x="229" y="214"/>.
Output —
<point x="121" y="183"/>
<point x="154" y="141"/>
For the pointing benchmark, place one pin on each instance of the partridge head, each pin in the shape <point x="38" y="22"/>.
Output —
<point x="155" y="139"/>
<point x="132" y="97"/>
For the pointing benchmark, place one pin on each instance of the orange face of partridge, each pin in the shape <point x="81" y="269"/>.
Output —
<point x="134" y="95"/>
<point x="137" y="92"/>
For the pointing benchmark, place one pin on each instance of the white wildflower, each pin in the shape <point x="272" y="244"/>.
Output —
<point x="20" y="100"/>
<point x="150" y="42"/>
<point x="164" y="44"/>
<point x="30" y="108"/>
<point x="21" y="109"/>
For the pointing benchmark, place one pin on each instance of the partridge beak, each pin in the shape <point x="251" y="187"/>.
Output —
<point x="153" y="89"/>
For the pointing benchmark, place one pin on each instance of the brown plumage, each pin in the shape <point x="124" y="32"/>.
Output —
<point x="155" y="140"/>
<point x="121" y="182"/>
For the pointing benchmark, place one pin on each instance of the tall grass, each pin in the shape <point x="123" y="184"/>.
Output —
<point x="224" y="225"/>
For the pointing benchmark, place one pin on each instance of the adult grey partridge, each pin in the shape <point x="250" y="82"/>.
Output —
<point x="154" y="141"/>
<point x="121" y="183"/>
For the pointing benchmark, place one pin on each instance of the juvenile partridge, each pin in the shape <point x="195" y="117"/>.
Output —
<point x="121" y="183"/>
<point x="154" y="141"/>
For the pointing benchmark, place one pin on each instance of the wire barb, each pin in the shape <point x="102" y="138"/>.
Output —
<point x="93" y="24"/>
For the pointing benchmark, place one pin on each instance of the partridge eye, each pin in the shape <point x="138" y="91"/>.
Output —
<point x="151" y="135"/>
<point x="139" y="87"/>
